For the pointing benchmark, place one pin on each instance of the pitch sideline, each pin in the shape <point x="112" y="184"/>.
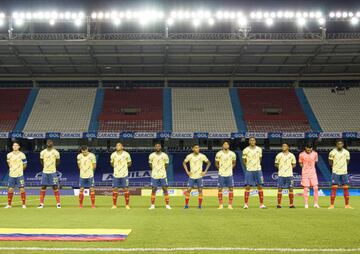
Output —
<point x="178" y="249"/>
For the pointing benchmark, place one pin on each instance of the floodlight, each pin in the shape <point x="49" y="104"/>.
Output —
<point x="332" y="15"/>
<point x="354" y="21"/>
<point x="321" y="21"/>
<point x="19" y="22"/>
<point x="78" y="22"/>
<point x="93" y="15"/>
<point x="196" y="22"/>
<point x="269" y="22"/>
<point x="117" y="21"/>
<point x="52" y="22"/>
<point x="242" y="22"/>
<point x="170" y="22"/>
<point x="301" y="22"/>
<point x="211" y="21"/>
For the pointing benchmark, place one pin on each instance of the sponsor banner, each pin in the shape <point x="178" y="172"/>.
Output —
<point x="293" y="135"/>
<point x="145" y="135"/>
<point x="219" y="135"/>
<point x="238" y="135"/>
<point x="132" y="175"/>
<point x="182" y="135"/>
<point x="201" y="135"/>
<point x="71" y="135"/>
<point x="330" y="135"/>
<point x="350" y="135"/>
<point x="274" y="135"/>
<point x="256" y="134"/>
<point x="34" y="135"/>
<point x="311" y="134"/>
<point x="4" y="134"/>
<point x="89" y="135"/>
<point x="53" y="135"/>
<point x="86" y="192"/>
<point x="163" y="134"/>
<point x="159" y="192"/>
<point x="126" y="134"/>
<point x="297" y="176"/>
<point x="16" y="135"/>
<point x="108" y="135"/>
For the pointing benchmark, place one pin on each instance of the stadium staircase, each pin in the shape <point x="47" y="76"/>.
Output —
<point x="308" y="110"/>
<point x="167" y="110"/>
<point x="237" y="109"/>
<point x="99" y="100"/>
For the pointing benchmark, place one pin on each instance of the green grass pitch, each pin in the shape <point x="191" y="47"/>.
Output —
<point x="209" y="227"/>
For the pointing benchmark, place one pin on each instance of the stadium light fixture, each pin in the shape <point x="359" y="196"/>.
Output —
<point x="196" y="23"/>
<point x="301" y="22"/>
<point x="354" y="21"/>
<point x="170" y="22"/>
<point x="78" y="22"/>
<point x="321" y="21"/>
<point x="358" y="14"/>
<point x="242" y="22"/>
<point x="269" y="22"/>
<point x="211" y="21"/>
<point x="52" y="22"/>
<point x="2" y="22"/>
<point x="19" y="22"/>
<point x="332" y="14"/>
<point x="94" y="15"/>
<point x="338" y="14"/>
<point x="117" y="21"/>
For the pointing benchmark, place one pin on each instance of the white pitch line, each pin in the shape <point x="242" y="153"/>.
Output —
<point x="177" y="249"/>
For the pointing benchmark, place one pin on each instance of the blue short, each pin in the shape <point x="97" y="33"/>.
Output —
<point x="195" y="182"/>
<point x="86" y="182"/>
<point x="225" y="181"/>
<point x="50" y="179"/>
<point x="254" y="178"/>
<point x="155" y="183"/>
<point x="340" y="179"/>
<point x="16" y="182"/>
<point x="121" y="182"/>
<point x="285" y="182"/>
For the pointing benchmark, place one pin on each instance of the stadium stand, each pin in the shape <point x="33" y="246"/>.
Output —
<point x="61" y="110"/>
<point x="272" y="109"/>
<point x="335" y="110"/>
<point x="203" y="110"/>
<point x="12" y="102"/>
<point x="132" y="109"/>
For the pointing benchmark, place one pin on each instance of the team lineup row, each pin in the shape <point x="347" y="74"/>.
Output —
<point x="225" y="161"/>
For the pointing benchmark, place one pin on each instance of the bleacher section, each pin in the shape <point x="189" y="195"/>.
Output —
<point x="337" y="111"/>
<point x="12" y="102"/>
<point x="202" y="110"/>
<point x="132" y="109"/>
<point x="272" y="109"/>
<point x="61" y="110"/>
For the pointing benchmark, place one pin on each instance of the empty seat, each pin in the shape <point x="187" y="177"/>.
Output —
<point x="272" y="109"/>
<point x="132" y="110"/>
<point x="62" y="110"/>
<point x="12" y="102"/>
<point x="202" y="110"/>
<point x="337" y="111"/>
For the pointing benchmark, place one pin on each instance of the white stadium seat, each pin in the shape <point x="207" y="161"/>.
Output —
<point x="61" y="110"/>
<point x="335" y="112"/>
<point x="202" y="110"/>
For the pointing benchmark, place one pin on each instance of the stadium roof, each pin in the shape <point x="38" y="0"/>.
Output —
<point x="181" y="56"/>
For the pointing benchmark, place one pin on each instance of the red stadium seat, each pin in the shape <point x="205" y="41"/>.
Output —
<point x="12" y="102"/>
<point x="135" y="109"/>
<point x="273" y="109"/>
